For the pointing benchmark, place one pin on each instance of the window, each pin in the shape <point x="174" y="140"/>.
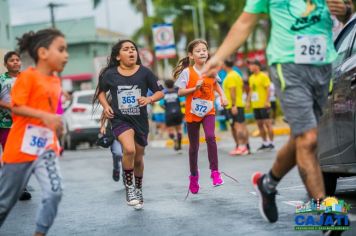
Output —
<point x="85" y="99"/>
<point x="342" y="43"/>
<point x="8" y="32"/>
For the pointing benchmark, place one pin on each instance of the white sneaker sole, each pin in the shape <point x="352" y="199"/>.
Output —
<point x="216" y="185"/>
<point x="133" y="202"/>
<point x="139" y="206"/>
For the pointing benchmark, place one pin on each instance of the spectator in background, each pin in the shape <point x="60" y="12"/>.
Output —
<point x="233" y="87"/>
<point x="259" y="97"/>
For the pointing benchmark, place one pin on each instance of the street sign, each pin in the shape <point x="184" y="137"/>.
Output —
<point x="163" y="38"/>
<point x="146" y="57"/>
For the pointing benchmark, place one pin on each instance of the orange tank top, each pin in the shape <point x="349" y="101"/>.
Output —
<point x="205" y="92"/>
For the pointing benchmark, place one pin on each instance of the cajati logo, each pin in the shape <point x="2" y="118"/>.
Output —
<point x="327" y="214"/>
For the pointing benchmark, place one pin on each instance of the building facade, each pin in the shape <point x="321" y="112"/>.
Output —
<point x="5" y="31"/>
<point x="88" y="49"/>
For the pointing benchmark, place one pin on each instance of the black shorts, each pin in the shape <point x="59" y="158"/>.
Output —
<point x="261" y="113"/>
<point x="174" y="120"/>
<point x="140" y="138"/>
<point x="239" y="117"/>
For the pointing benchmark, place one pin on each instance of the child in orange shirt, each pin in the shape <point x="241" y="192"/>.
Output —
<point x="200" y="98"/>
<point x="32" y="144"/>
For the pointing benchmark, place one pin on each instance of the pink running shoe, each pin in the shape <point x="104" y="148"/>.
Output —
<point x="193" y="184"/>
<point x="216" y="176"/>
<point x="242" y="151"/>
<point x="233" y="152"/>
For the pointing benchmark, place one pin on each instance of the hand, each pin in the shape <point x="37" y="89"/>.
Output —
<point x="53" y="122"/>
<point x="211" y="68"/>
<point x="224" y="101"/>
<point x="102" y="130"/>
<point x="143" y="101"/>
<point x="267" y="105"/>
<point x="108" y="112"/>
<point x="337" y="7"/>
<point x="234" y="110"/>
<point x="247" y="105"/>
<point x="199" y="84"/>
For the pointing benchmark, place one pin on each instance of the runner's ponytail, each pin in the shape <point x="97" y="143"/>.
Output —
<point x="32" y="41"/>
<point x="182" y="64"/>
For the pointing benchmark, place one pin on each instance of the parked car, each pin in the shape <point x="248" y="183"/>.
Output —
<point x="337" y="129"/>
<point x="81" y="124"/>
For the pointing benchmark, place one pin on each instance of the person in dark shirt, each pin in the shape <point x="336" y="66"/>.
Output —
<point x="128" y="81"/>
<point x="173" y="113"/>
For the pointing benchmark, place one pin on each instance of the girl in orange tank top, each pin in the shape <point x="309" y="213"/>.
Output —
<point x="200" y="96"/>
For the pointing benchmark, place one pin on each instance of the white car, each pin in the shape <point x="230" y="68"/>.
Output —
<point x="81" y="121"/>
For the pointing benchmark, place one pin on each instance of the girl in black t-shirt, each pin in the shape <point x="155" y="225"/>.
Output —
<point x="128" y="82"/>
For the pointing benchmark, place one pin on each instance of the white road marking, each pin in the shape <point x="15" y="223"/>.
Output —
<point x="352" y="217"/>
<point x="292" y="187"/>
<point x="293" y="203"/>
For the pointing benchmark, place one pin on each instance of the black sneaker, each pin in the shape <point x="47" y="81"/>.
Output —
<point x="116" y="174"/>
<point x="179" y="144"/>
<point x="176" y="145"/>
<point x="25" y="196"/>
<point x="263" y="148"/>
<point x="271" y="146"/>
<point x="267" y="201"/>
<point x="139" y="196"/>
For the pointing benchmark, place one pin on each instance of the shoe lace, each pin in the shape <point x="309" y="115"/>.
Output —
<point x="131" y="192"/>
<point x="229" y="176"/>
<point x="187" y="194"/>
<point x="139" y="194"/>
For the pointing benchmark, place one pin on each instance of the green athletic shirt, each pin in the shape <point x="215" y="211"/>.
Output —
<point x="291" y="19"/>
<point x="6" y="82"/>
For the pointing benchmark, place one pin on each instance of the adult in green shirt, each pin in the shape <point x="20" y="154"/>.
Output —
<point x="12" y="62"/>
<point x="299" y="53"/>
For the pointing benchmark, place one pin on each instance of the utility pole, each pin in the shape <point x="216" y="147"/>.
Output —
<point x="195" y="19"/>
<point x="51" y="7"/>
<point x="202" y="20"/>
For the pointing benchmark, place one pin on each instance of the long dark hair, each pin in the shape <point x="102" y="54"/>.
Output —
<point x="112" y="62"/>
<point x="185" y="62"/>
<point x="32" y="41"/>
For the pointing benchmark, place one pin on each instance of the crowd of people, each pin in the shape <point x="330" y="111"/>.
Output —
<point x="30" y="118"/>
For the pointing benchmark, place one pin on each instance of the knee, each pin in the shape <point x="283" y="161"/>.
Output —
<point x="54" y="196"/>
<point x="210" y="138"/>
<point x="308" y="140"/>
<point x="130" y="152"/>
<point x="260" y="125"/>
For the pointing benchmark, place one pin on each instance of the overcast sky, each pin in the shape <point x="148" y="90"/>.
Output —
<point x="122" y="16"/>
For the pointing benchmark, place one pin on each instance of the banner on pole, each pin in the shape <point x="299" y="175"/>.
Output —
<point x="163" y="37"/>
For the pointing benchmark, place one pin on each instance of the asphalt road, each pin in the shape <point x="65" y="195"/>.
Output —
<point x="93" y="204"/>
